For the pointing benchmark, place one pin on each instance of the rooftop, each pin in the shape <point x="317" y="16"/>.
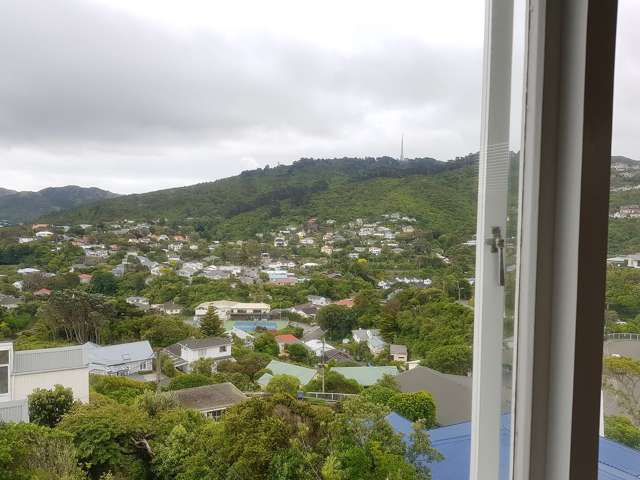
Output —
<point x="119" y="354"/>
<point x="49" y="359"/>
<point x="366" y="376"/>
<point x="210" y="397"/>
<point x="303" y="374"/>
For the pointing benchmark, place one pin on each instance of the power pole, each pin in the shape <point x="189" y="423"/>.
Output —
<point x="158" y="370"/>
<point x="323" y="364"/>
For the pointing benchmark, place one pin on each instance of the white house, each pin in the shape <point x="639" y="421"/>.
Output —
<point x="318" y="300"/>
<point x="25" y="371"/>
<point x="187" y="351"/>
<point x="26" y="239"/>
<point x="121" y="359"/>
<point x="226" y="308"/>
<point x="375" y="250"/>
<point x="44" y="234"/>
<point x="398" y="353"/>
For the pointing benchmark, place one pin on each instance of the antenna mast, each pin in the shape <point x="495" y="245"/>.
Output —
<point x="402" y="148"/>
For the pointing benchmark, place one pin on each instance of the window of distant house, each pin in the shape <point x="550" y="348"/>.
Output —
<point x="223" y="348"/>
<point x="4" y="371"/>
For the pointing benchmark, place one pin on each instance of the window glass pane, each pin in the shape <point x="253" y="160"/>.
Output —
<point x="620" y="410"/>
<point x="4" y="357"/>
<point x="4" y="379"/>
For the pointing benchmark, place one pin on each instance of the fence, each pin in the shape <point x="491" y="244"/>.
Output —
<point x="328" y="396"/>
<point x="622" y="336"/>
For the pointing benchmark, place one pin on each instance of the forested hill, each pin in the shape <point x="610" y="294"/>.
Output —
<point x="440" y="195"/>
<point x="18" y="207"/>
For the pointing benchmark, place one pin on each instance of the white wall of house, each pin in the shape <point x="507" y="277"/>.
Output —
<point x="77" y="379"/>
<point x="212" y="352"/>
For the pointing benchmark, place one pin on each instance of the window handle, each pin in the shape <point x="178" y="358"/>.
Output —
<point x="496" y="242"/>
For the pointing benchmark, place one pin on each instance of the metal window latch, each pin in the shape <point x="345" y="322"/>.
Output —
<point x="496" y="242"/>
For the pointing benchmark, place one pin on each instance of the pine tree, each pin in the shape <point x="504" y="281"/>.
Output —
<point x="210" y="325"/>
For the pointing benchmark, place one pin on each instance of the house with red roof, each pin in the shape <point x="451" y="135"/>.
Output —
<point x="43" y="292"/>
<point x="284" y="340"/>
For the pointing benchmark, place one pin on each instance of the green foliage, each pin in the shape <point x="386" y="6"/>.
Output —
<point x="266" y="343"/>
<point x="30" y="452"/>
<point x="300" y="354"/>
<point x="621" y="377"/>
<point x="363" y="446"/>
<point x="153" y="403"/>
<point x="415" y="406"/>
<point x="283" y="384"/>
<point x="46" y="407"/>
<point x="336" y="320"/>
<point x="202" y="366"/>
<point x="622" y="430"/>
<point x="623" y="291"/>
<point x="121" y="389"/>
<point x="379" y="394"/>
<point x="210" y="325"/>
<point x="160" y="330"/>
<point x="104" y="283"/>
<point x="258" y="201"/>
<point x="190" y="380"/>
<point x="249" y="364"/>
<point x="333" y="382"/>
<point x="107" y="436"/>
<point x="454" y="359"/>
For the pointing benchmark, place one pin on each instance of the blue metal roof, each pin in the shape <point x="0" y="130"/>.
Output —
<point x="250" y="326"/>
<point x="615" y="462"/>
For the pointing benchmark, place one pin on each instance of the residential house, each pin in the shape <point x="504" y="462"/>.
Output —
<point x="27" y="271"/>
<point x="306" y="310"/>
<point x="318" y="300"/>
<point x="375" y="250"/>
<point x="85" y="278"/>
<point x="338" y="355"/>
<point x="26" y="239"/>
<point x="398" y="353"/>
<point x="42" y="292"/>
<point x="44" y="234"/>
<point x="318" y="347"/>
<point x="345" y="302"/>
<point x="366" y="376"/>
<point x="187" y="351"/>
<point x="327" y="250"/>
<point x="226" y="309"/>
<point x="243" y="335"/>
<point x="211" y="400"/>
<point x="284" y="340"/>
<point x="308" y="241"/>
<point x="280" y="242"/>
<point x="633" y="260"/>
<point x="303" y="374"/>
<point x="9" y="302"/>
<point x="374" y="341"/>
<point x="140" y="302"/>
<point x="121" y="359"/>
<point x="22" y="372"/>
<point x="168" y="308"/>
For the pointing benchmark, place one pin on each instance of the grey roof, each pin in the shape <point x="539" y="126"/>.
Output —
<point x="210" y="397"/>
<point x="118" y="354"/>
<point x="303" y="374"/>
<point x="452" y="393"/>
<point x="49" y="359"/>
<point x="14" y="411"/>
<point x="196" y="343"/>
<point x="398" y="349"/>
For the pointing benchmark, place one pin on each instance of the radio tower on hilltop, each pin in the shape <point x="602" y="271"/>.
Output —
<point x="402" y="147"/>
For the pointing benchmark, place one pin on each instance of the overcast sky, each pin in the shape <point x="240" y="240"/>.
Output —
<point x="137" y="95"/>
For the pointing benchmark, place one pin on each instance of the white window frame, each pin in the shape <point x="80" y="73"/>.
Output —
<point x="565" y="169"/>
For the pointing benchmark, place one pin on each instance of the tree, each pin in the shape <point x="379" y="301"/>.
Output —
<point x="153" y="403"/>
<point x="120" y="389"/>
<point x="454" y="359"/>
<point x="104" y="283"/>
<point x="29" y="451"/>
<point x="266" y="343"/>
<point x="210" y="325"/>
<point x="164" y="330"/>
<point x="287" y="384"/>
<point x="190" y="380"/>
<point x="379" y="394"/>
<point x="202" y="366"/>
<point x="79" y="315"/>
<point x="110" y="437"/>
<point x="622" y="430"/>
<point x="621" y="377"/>
<point x="336" y="320"/>
<point x="300" y="353"/>
<point x="333" y="382"/>
<point x="415" y="406"/>
<point x="46" y="407"/>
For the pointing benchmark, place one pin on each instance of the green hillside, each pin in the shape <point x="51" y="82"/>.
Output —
<point x="440" y="195"/>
